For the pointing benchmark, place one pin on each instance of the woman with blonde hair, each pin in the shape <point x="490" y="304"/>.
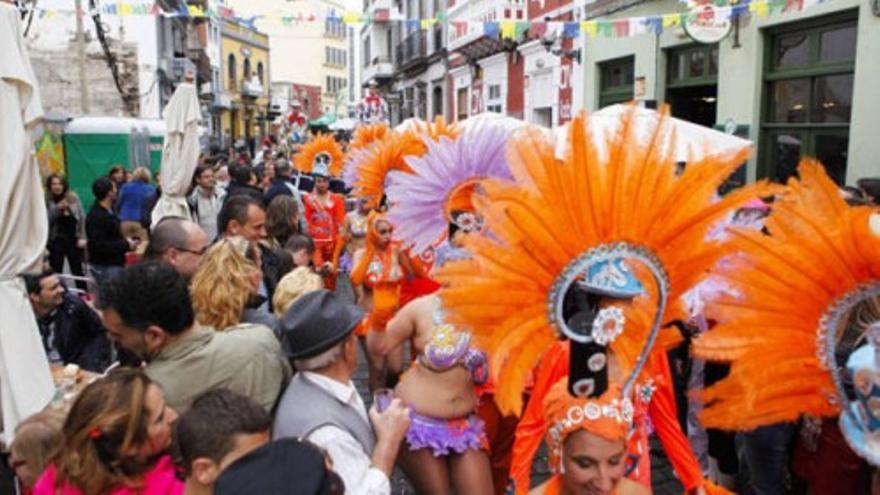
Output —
<point x="225" y="287"/>
<point x="130" y="202"/>
<point x="115" y="441"/>
<point x="37" y="443"/>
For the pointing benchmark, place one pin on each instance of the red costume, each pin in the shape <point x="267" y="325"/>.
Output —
<point x="324" y="218"/>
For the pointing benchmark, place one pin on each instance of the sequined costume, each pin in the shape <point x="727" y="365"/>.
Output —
<point x="378" y="269"/>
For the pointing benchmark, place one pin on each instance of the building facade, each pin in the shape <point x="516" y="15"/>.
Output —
<point x="306" y="49"/>
<point x="796" y="83"/>
<point x="245" y="74"/>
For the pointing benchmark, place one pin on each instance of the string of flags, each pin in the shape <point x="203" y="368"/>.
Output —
<point x="725" y="10"/>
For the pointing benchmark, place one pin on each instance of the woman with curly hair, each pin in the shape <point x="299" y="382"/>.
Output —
<point x="115" y="441"/>
<point x="224" y="289"/>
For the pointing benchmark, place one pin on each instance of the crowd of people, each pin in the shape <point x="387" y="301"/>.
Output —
<point x="500" y="296"/>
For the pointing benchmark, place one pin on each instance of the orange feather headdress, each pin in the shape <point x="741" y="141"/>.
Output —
<point x="367" y="135"/>
<point x="789" y="288"/>
<point x="323" y="149"/>
<point x="563" y="211"/>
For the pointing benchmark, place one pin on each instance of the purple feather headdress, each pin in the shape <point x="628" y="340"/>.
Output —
<point x="352" y="162"/>
<point x="418" y="200"/>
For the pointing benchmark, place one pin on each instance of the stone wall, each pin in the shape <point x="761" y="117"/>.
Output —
<point x="58" y="73"/>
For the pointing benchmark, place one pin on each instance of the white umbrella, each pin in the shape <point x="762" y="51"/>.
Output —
<point x="345" y="124"/>
<point x="180" y="153"/>
<point x="693" y="141"/>
<point x="25" y="381"/>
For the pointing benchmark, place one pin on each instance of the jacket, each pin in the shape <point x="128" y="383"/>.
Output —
<point x="246" y="359"/>
<point x="161" y="480"/>
<point x="106" y="245"/>
<point x="76" y="213"/>
<point x="236" y="189"/>
<point x="131" y="198"/>
<point x="77" y="333"/>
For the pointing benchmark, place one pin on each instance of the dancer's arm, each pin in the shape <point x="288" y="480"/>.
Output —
<point x="400" y="329"/>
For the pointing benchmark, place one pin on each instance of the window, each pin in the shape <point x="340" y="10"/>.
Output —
<point x="692" y="66"/>
<point x="334" y="28"/>
<point x="494" y="91"/>
<point x="260" y="72"/>
<point x="336" y="57"/>
<point x="808" y="86"/>
<point x="230" y="65"/>
<point x="334" y="84"/>
<point x="247" y="69"/>
<point x="616" y="81"/>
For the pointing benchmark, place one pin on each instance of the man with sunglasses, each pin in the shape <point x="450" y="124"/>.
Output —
<point x="179" y="243"/>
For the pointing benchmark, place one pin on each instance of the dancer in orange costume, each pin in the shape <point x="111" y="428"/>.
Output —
<point x="804" y="297"/>
<point x="572" y="243"/>
<point x="655" y="399"/>
<point x="324" y="210"/>
<point x="586" y="440"/>
<point x="379" y="270"/>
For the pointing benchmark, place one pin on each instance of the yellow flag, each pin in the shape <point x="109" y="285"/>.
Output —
<point x="671" y="20"/>
<point x="590" y="27"/>
<point x="508" y="30"/>
<point x="196" y="11"/>
<point x="426" y="23"/>
<point x="760" y="9"/>
<point x="351" y="18"/>
<point x="126" y="9"/>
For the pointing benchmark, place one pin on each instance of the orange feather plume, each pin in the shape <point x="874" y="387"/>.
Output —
<point x="385" y="156"/>
<point x="323" y="143"/>
<point x="819" y="249"/>
<point x="558" y="210"/>
<point x="367" y="135"/>
<point x="437" y="129"/>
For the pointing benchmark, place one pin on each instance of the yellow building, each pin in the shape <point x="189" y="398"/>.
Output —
<point x="307" y="48"/>
<point x="245" y="68"/>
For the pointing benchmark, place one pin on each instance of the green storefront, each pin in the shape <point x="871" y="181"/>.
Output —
<point x="92" y="145"/>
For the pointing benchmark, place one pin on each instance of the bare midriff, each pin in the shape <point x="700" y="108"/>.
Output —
<point x="446" y="394"/>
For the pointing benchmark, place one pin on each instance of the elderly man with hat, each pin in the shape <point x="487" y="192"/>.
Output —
<point x="321" y="403"/>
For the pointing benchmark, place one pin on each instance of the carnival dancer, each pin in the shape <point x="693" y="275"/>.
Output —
<point x="379" y="270"/>
<point x="352" y="237"/>
<point x="587" y="443"/>
<point x="447" y="445"/>
<point x="324" y="210"/>
<point x="595" y="248"/>
<point x="788" y="331"/>
<point x="372" y="109"/>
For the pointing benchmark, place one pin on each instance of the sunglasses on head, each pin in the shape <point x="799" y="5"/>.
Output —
<point x="384" y="231"/>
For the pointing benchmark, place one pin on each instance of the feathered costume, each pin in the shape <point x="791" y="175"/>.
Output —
<point x="567" y="208"/>
<point x="790" y="286"/>
<point x="376" y="161"/>
<point x="560" y="213"/>
<point x="442" y="181"/>
<point x="321" y="156"/>
<point x="364" y="138"/>
<point x="378" y="268"/>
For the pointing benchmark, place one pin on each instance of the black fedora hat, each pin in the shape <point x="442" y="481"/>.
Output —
<point x="316" y="322"/>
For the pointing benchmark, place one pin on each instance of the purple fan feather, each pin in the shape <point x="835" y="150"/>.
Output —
<point x="352" y="163"/>
<point x="418" y="199"/>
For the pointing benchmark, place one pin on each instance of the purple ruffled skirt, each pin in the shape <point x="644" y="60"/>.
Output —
<point x="446" y="436"/>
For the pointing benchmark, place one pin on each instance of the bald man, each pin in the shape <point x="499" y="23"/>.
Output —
<point x="178" y="243"/>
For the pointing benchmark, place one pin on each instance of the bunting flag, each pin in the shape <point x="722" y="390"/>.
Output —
<point x="505" y="29"/>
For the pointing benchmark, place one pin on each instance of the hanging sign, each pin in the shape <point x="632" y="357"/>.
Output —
<point x="704" y="25"/>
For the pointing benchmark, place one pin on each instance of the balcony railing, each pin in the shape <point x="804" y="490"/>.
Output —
<point x="412" y="49"/>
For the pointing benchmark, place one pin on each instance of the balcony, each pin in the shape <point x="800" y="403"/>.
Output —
<point x="378" y="68"/>
<point x="412" y="51"/>
<point x="252" y="89"/>
<point x="222" y="101"/>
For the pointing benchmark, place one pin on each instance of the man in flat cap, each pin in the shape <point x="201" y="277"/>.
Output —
<point x="321" y="403"/>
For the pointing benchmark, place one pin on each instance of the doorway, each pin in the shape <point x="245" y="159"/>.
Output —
<point x="697" y="104"/>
